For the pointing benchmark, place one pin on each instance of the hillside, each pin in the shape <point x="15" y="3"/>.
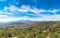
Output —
<point x="46" y="29"/>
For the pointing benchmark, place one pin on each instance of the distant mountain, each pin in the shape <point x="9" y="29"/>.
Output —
<point x="19" y="22"/>
<point x="16" y="23"/>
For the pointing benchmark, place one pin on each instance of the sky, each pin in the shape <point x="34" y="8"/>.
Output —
<point x="32" y="10"/>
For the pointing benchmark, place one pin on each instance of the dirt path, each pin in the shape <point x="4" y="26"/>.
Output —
<point x="14" y="37"/>
<point x="48" y="35"/>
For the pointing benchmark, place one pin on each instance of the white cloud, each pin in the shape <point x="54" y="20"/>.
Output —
<point x="49" y="18"/>
<point x="30" y="9"/>
<point x="1" y="12"/>
<point x="10" y="19"/>
<point x="5" y="13"/>
<point x="27" y="8"/>
<point x="24" y="9"/>
<point x="4" y="17"/>
<point x="54" y="11"/>
<point x="43" y="18"/>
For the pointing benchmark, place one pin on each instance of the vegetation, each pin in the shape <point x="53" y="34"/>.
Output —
<point x="35" y="30"/>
